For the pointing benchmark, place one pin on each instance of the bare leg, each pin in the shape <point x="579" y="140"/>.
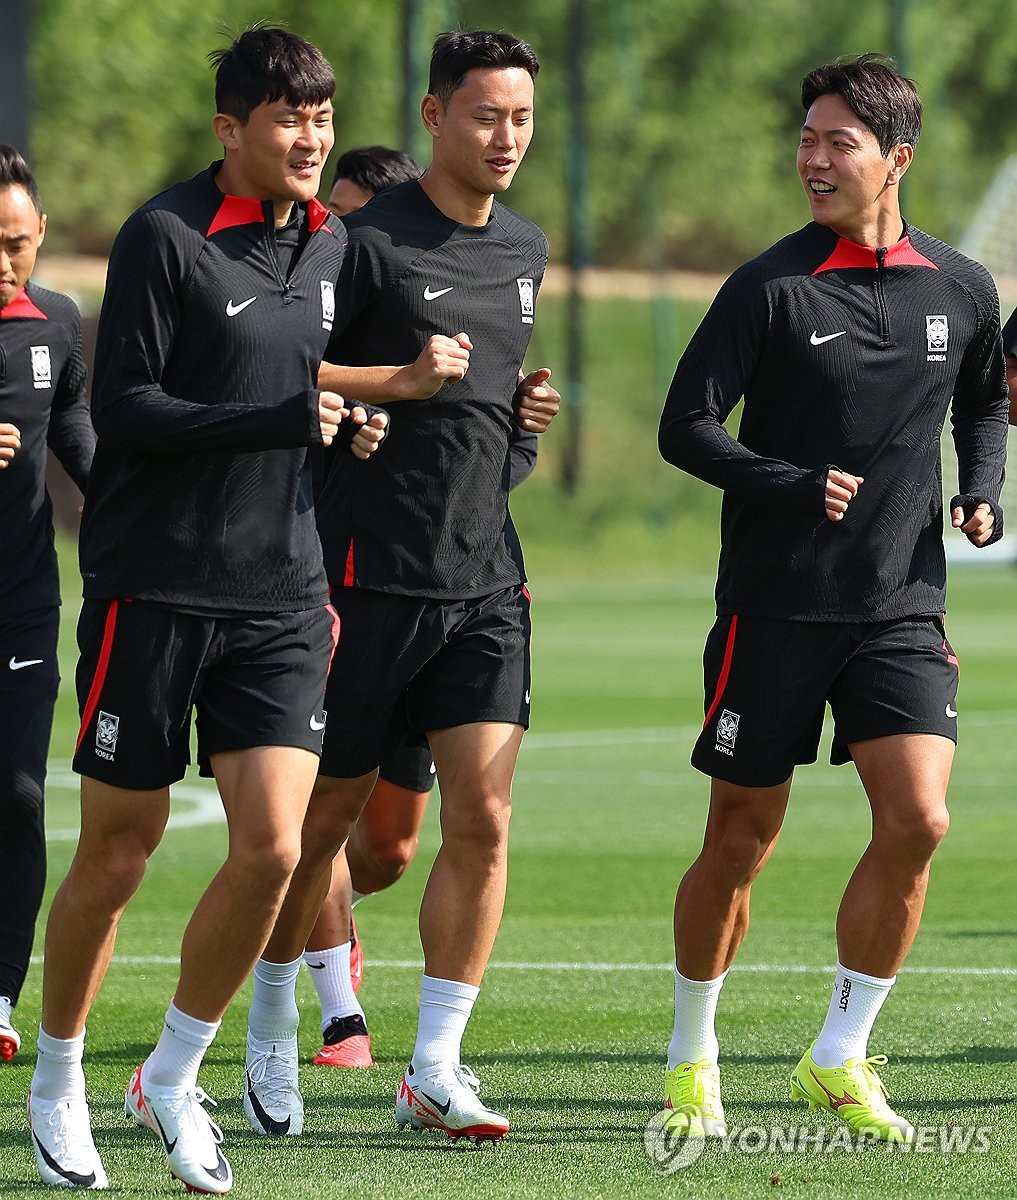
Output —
<point x="265" y="792"/>
<point x="905" y="779"/>
<point x="119" y="831"/>
<point x="335" y="805"/>
<point x="711" y="911"/>
<point x="384" y="839"/>
<point x="465" y="893"/>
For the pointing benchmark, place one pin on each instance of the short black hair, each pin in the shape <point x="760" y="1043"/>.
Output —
<point x="266" y="63"/>
<point x="883" y="99"/>
<point x="14" y="172"/>
<point x="460" y="51"/>
<point x="375" y="168"/>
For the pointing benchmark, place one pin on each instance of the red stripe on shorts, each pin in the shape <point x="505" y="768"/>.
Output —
<point x="725" y="669"/>
<point x="336" y="624"/>
<point x="350" y="575"/>
<point x="101" y="668"/>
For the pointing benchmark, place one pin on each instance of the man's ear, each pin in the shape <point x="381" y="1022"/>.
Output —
<point x="431" y="113"/>
<point x="901" y="160"/>
<point x="224" y="126"/>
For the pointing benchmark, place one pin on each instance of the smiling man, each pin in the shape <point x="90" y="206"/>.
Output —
<point x="850" y="341"/>
<point x="203" y="581"/>
<point x="425" y="565"/>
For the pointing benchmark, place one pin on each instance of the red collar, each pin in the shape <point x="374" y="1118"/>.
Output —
<point x="23" y="306"/>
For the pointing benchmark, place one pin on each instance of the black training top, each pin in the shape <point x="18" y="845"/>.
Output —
<point x="428" y="515"/>
<point x="42" y="392"/>
<point x="205" y="403"/>
<point x="845" y="356"/>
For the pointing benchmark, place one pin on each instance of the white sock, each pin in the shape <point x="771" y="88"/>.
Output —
<point x="177" y="1056"/>
<point x="358" y="896"/>
<point x="695" y="1011"/>
<point x="59" y="1074"/>
<point x="445" y="1007"/>
<point x="274" y="1016"/>
<point x="854" y="1006"/>
<point x="330" y="970"/>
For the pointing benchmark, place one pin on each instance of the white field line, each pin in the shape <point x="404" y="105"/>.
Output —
<point x="598" y="968"/>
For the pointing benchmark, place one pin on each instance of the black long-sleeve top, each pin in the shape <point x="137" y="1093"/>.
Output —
<point x="205" y="405"/>
<point x="42" y="393"/>
<point x="849" y="357"/>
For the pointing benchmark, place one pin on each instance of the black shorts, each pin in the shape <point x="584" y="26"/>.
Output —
<point x="252" y="680"/>
<point x="29" y="682"/>
<point x="407" y="665"/>
<point x="409" y="766"/>
<point x="768" y="682"/>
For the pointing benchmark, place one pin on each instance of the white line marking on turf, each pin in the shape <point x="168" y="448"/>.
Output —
<point x="596" y="968"/>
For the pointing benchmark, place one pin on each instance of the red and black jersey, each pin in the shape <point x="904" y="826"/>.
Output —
<point x="42" y="392"/>
<point x="205" y="404"/>
<point x="428" y="514"/>
<point x="845" y="356"/>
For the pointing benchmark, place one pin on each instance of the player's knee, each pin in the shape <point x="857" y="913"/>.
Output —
<point x="481" y="822"/>
<point x="393" y="857"/>
<point x="916" y="834"/>
<point x="737" y="851"/>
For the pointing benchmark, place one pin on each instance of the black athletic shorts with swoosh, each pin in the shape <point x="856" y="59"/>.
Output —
<point x="406" y="665"/>
<point x="768" y="683"/>
<point x="252" y="680"/>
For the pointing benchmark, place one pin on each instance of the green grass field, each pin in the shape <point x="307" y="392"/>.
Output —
<point x="569" y="1035"/>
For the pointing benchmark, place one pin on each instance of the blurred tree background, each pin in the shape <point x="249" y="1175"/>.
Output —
<point x="691" y="103"/>
<point x="682" y="157"/>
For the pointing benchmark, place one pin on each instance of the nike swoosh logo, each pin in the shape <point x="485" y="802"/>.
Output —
<point x="170" y="1146"/>
<point x="316" y="966"/>
<point x="232" y="309"/>
<point x="85" y="1181"/>
<point x="269" y="1124"/>
<point x="816" y="340"/>
<point x="316" y="725"/>
<point x="429" y="295"/>
<point x="442" y="1108"/>
<point x="25" y="662"/>
<point x="951" y="711"/>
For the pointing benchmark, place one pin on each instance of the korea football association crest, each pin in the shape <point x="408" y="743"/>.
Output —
<point x="526" y="299"/>
<point x="42" y="367"/>
<point x="327" y="304"/>
<point x="937" y="336"/>
<point x="107" y="730"/>
<point x="727" y="732"/>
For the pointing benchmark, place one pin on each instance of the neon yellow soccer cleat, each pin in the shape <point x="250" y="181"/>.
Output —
<point x="692" y="1093"/>
<point x="853" y="1092"/>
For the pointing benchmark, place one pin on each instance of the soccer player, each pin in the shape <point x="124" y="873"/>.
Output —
<point x="384" y="840"/>
<point x="424" y="564"/>
<point x="204" y="584"/>
<point x="847" y="341"/>
<point x="42" y="403"/>
<point x="361" y="173"/>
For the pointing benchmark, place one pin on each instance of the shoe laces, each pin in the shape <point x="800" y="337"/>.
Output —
<point x="467" y="1078"/>
<point x="869" y="1077"/>
<point x="71" y="1129"/>
<point x="699" y="1089"/>
<point x="184" y="1108"/>
<point x="270" y="1072"/>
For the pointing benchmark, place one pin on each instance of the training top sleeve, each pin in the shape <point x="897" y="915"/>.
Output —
<point x="149" y="268"/>
<point x="522" y="455"/>
<point x="979" y="411"/>
<point x="711" y="377"/>
<point x="1010" y="335"/>
<point x="70" y="435"/>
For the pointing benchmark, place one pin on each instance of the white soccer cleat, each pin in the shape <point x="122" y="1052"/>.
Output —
<point x="272" y="1097"/>
<point x="10" y="1039"/>
<point x="189" y="1136"/>
<point x="446" y="1097"/>
<point x="62" y="1139"/>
